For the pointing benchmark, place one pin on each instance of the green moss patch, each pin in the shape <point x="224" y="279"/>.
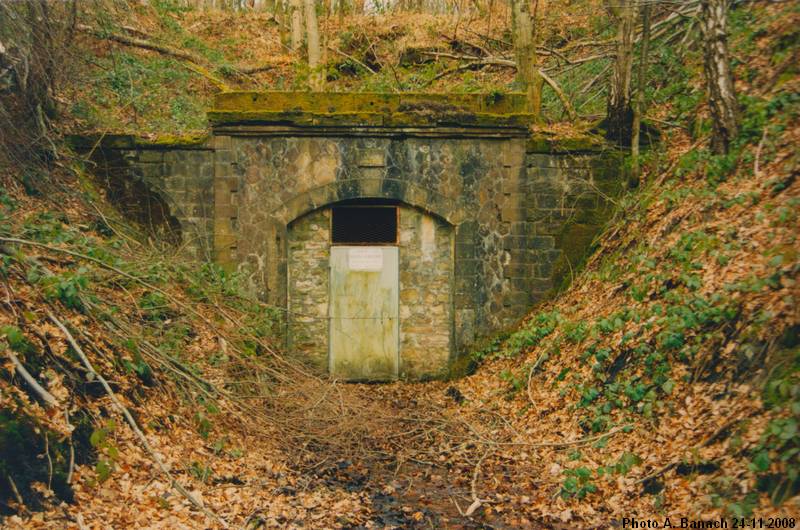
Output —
<point x="83" y="142"/>
<point x="371" y="109"/>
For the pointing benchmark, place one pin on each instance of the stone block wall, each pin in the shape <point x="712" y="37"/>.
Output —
<point x="167" y="188"/>
<point x="426" y="294"/>
<point x="568" y="202"/>
<point x="308" y="286"/>
<point x="475" y="185"/>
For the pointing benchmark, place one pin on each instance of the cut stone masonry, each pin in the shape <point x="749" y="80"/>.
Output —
<point x="512" y="216"/>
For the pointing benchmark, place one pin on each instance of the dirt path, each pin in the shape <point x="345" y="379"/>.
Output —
<point x="424" y="467"/>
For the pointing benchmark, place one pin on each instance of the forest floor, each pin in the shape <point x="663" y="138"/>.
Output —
<point x="664" y="382"/>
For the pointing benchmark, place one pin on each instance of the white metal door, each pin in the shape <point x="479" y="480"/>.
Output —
<point x="364" y="326"/>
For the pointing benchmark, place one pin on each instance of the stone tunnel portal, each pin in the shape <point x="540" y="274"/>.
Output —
<point x="396" y="229"/>
<point x="370" y="290"/>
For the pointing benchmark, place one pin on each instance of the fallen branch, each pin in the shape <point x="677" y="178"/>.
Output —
<point x="668" y="123"/>
<point x="183" y="305"/>
<point x="347" y="56"/>
<point x="482" y="60"/>
<point x="216" y="81"/>
<point x="582" y="60"/>
<point x="588" y="44"/>
<point x="453" y="42"/>
<point x="134" y="426"/>
<point x="589" y="84"/>
<point x="46" y="396"/>
<point x="581" y="441"/>
<point x="144" y="44"/>
<point x="561" y="96"/>
<point x="756" y="164"/>
<point x="197" y="64"/>
<point x="536" y="365"/>
<point x="552" y="51"/>
<point x="495" y="61"/>
<point x="71" y="467"/>
<point x="690" y="9"/>
<point x="460" y="68"/>
<point x="708" y="440"/>
<point x="476" y="501"/>
<point x="15" y="491"/>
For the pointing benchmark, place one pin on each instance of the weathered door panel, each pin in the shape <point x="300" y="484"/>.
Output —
<point x="364" y="326"/>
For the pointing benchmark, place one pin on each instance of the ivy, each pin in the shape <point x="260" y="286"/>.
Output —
<point x="538" y="328"/>
<point x="578" y="483"/>
<point x="108" y="453"/>
<point x="776" y="458"/>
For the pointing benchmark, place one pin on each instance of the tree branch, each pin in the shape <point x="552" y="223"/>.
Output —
<point x="197" y="63"/>
<point x="144" y="44"/>
<point x="134" y="426"/>
<point x="561" y="96"/>
<point x="46" y="396"/>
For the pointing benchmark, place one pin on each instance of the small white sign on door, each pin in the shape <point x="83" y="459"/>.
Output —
<point x="365" y="259"/>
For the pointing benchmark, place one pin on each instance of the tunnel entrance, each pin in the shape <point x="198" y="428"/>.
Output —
<point x="370" y="290"/>
<point x="489" y="219"/>
<point x="364" y="286"/>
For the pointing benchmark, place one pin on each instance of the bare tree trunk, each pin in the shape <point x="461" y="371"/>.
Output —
<point x="539" y="11"/>
<point x="719" y="78"/>
<point x="297" y="24"/>
<point x="281" y="12"/>
<point x="638" y="108"/>
<point x="316" y="78"/>
<point x="525" y="54"/>
<point x="619" y="109"/>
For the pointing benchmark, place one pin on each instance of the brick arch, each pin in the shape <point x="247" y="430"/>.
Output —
<point x="411" y="194"/>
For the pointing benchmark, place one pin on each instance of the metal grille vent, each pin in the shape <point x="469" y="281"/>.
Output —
<point x="364" y="224"/>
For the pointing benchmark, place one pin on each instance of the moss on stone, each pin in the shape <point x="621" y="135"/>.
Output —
<point x="575" y="242"/>
<point x="610" y="174"/>
<point x="194" y="140"/>
<point x="577" y="235"/>
<point x="461" y="366"/>
<point x="539" y="143"/>
<point x="371" y="109"/>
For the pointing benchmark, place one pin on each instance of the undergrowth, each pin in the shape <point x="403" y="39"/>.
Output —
<point x="150" y="311"/>
<point x="674" y="313"/>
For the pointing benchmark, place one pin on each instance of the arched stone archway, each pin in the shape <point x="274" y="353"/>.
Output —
<point x="425" y="245"/>
<point x="409" y="193"/>
<point x="476" y="185"/>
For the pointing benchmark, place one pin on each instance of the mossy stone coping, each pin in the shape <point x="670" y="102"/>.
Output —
<point x="371" y="109"/>
<point x="585" y="143"/>
<point x="84" y="142"/>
